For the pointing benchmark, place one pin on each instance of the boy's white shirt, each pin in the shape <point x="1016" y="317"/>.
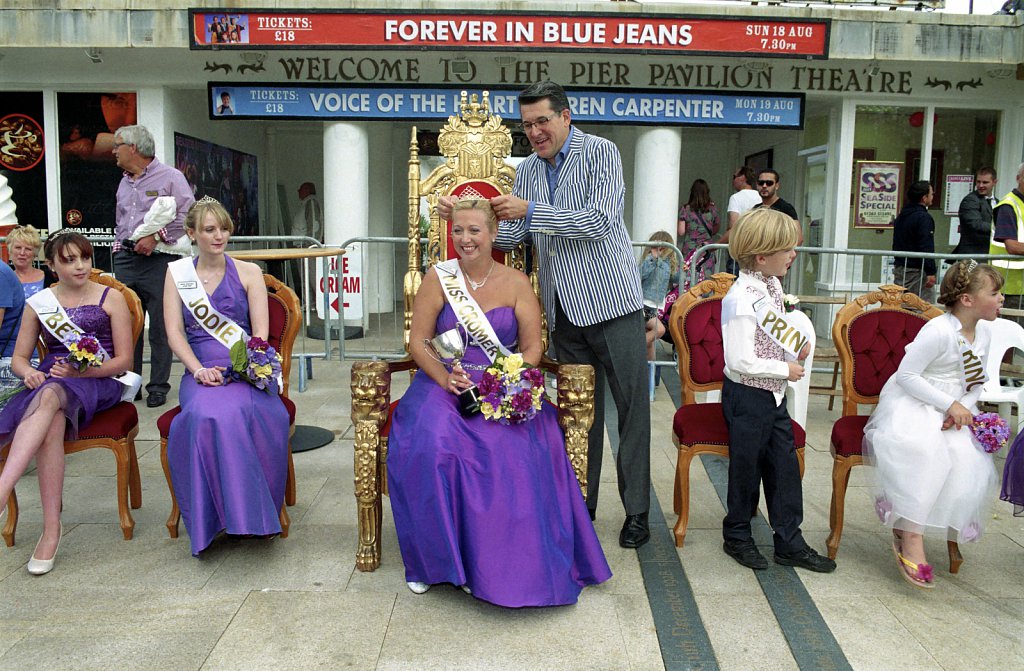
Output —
<point x="739" y="324"/>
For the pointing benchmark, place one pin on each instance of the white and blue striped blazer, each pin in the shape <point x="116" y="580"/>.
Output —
<point x="581" y="241"/>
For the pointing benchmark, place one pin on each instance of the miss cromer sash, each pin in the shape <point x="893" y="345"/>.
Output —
<point x="197" y="302"/>
<point x="467" y="310"/>
<point x="785" y="334"/>
<point x="972" y="369"/>
<point x="55" y="320"/>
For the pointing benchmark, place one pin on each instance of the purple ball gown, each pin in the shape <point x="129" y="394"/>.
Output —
<point x="81" y="398"/>
<point x="1013" y="476"/>
<point x="228" y="449"/>
<point x="496" y="508"/>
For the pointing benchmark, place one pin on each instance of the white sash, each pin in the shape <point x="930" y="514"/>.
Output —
<point x="467" y="310"/>
<point x="972" y="369"/>
<point x="197" y="302"/>
<point x="782" y="331"/>
<point x="55" y="319"/>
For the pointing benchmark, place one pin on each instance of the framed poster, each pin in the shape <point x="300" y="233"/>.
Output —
<point x="957" y="186"/>
<point x="877" y="193"/>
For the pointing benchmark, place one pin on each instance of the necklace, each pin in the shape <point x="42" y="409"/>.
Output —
<point x="84" y="293"/>
<point x="477" y="285"/>
<point x="216" y="274"/>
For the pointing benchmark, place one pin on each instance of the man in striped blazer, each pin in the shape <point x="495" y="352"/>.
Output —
<point x="568" y="199"/>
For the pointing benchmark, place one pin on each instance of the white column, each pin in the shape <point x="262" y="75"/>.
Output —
<point x="151" y="108"/>
<point x="346" y="180"/>
<point x="379" y="274"/>
<point x="656" y="181"/>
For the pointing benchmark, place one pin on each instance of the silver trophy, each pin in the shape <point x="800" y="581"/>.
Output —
<point x="451" y="345"/>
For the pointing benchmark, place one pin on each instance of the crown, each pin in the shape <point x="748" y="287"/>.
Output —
<point x="207" y="200"/>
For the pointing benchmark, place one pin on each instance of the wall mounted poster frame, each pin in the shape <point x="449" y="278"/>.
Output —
<point x="762" y="160"/>
<point x="877" y="193"/>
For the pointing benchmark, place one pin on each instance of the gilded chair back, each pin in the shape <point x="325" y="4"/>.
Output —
<point x="695" y="323"/>
<point x="475" y="145"/>
<point x="871" y="341"/>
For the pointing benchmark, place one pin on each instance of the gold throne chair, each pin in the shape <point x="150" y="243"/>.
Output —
<point x="475" y="145"/>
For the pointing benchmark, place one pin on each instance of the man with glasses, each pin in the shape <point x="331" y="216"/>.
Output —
<point x="768" y="189"/>
<point x="568" y="198"/>
<point x="137" y="263"/>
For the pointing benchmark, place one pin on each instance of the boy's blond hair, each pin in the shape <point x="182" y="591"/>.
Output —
<point x="762" y="232"/>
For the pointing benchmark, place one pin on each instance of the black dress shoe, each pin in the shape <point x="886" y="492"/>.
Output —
<point x="746" y="554"/>
<point x="808" y="559"/>
<point x="156" y="399"/>
<point x="635" y="531"/>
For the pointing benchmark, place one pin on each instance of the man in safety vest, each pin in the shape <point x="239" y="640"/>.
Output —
<point x="1008" y="238"/>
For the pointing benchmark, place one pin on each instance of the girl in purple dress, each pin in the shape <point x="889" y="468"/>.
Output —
<point x="494" y="509"/>
<point x="59" y="398"/>
<point x="228" y="449"/>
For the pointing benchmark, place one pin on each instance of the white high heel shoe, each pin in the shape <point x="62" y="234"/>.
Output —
<point x="418" y="587"/>
<point x="44" y="566"/>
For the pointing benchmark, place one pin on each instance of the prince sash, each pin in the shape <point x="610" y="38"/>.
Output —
<point x="197" y="302"/>
<point x="780" y="330"/>
<point x="55" y="319"/>
<point x="972" y="369"/>
<point x="467" y="310"/>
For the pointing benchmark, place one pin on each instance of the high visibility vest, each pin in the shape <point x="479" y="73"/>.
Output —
<point x="1012" y="270"/>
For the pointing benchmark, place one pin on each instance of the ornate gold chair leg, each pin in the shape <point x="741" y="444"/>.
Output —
<point x="368" y="495"/>
<point x="955" y="558"/>
<point x="175" y="516"/>
<point x="134" y="479"/>
<point x="286" y="521"/>
<point x="800" y="461"/>
<point x="121" y="455"/>
<point x="576" y="415"/>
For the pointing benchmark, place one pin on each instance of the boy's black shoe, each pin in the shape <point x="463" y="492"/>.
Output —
<point x="808" y="559"/>
<point x="746" y="554"/>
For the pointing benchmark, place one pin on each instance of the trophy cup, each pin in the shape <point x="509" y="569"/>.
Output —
<point x="451" y="345"/>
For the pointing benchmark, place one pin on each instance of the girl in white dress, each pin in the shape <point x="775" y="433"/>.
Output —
<point x="931" y="473"/>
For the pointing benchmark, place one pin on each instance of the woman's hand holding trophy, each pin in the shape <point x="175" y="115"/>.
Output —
<point x="451" y="345"/>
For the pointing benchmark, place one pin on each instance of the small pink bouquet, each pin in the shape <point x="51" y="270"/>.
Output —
<point x="991" y="431"/>
<point x="83" y="351"/>
<point x="257" y="363"/>
<point x="512" y="392"/>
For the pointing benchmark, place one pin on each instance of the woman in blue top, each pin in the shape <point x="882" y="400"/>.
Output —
<point x="24" y="244"/>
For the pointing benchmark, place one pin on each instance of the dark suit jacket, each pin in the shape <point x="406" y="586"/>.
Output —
<point x="975" y="224"/>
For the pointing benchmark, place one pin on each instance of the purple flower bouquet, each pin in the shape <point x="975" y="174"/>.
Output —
<point x="991" y="431"/>
<point x="83" y="351"/>
<point x="257" y="363"/>
<point x="512" y="392"/>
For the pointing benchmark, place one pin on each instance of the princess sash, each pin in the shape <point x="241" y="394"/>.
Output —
<point x="197" y="302"/>
<point x="55" y="319"/>
<point x="780" y="330"/>
<point x="467" y="310"/>
<point x="972" y="369"/>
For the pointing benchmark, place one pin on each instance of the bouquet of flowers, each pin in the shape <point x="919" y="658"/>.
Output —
<point x="991" y="431"/>
<point x="511" y="391"/>
<point x="83" y="351"/>
<point x="257" y="363"/>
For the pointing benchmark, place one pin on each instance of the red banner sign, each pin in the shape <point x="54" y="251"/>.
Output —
<point x="619" y="32"/>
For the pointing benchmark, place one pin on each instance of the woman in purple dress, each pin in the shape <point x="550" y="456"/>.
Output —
<point x="59" y="398"/>
<point x="494" y="509"/>
<point x="228" y="449"/>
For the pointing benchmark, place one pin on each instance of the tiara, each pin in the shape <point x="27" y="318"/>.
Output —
<point x="60" y="232"/>
<point x="207" y="200"/>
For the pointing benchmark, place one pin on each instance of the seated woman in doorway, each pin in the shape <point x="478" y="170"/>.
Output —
<point x="61" y="396"/>
<point x="228" y="449"/>
<point x="24" y="244"/>
<point x="492" y="508"/>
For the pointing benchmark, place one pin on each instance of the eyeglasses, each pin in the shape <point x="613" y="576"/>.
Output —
<point x="766" y="182"/>
<point x="118" y="145"/>
<point x="527" y="126"/>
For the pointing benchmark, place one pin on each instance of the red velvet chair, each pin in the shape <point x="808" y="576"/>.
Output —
<point x="285" y="320"/>
<point x="699" y="428"/>
<point x="114" y="429"/>
<point x="871" y="343"/>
